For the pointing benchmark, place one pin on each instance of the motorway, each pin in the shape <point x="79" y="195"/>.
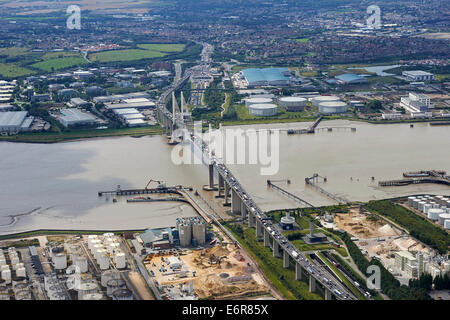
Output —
<point x="318" y="272"/>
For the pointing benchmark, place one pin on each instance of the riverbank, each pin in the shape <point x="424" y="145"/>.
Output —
<point x="53" y="137"/>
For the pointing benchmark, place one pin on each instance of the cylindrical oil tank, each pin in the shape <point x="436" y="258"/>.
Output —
<point x="123" y="294"/>
<point x="251" y="101"/>
<point x="433" y="214"/>
<point x="447" y="224"/>
<point x="86" y="288"/>
<point x="60" y="261"/>
<point x="93" y="296"/>
<point x="115" y="284"/>
<point x="292" y="103"/>
<point x="332" y="107"/>
<point x="6" y="275"/>
<point x="410" y="201"/>
<point x="421" y="205"/>
<point x="58" y="296"/>
<point x="426" y="207"/>
<point x="317" y="100"/>
<point x="14" y="259"/>
<point x="112" y="247"/>
<point x="103" y="262"/>
<point x="108" y="235"/>
<point x="120" y="260"/>
<point x="109" y="275"/>
<point x="263" y="110"/>
<point x="442" y="217"/>
<point x="416" y="203"/>
<point x="21" y="272"/>
<point x="82" y="263"/>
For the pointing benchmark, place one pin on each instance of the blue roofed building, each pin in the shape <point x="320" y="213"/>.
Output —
<point x="350" y="78"/>
<point x="266" y="77"/>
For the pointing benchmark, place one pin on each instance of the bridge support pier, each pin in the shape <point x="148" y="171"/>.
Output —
<point x="266" y="238"/>
<point x="235" y="202"/>
<point x="211" y="176"/>
<point x="327" y="294"/>
<point x="285" y="259"/>
<point x="259" y="229"/>
<point x="298" y="271"/>
<point x="251" y="222"/>
<point x="220" y="187"/>
<point x="243" y="210"/>
<point x="227" y="195"/>
<point x="276" y="249"/>
<point x="312" y="284"/>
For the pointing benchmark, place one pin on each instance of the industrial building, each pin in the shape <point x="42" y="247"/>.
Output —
<point x="120" y="97"/>
<point x="157" y="238"/>
<point x="418" y="75"/>
<point x="77" y="102"/>
<point x="263" y="110"/>
<point x="131" y="117"/>
<point x="287" y="222"/>
<point x="406" y="262"/>
<point x="350" y="78"/>
<point x="6" y="107"/>
<point x="417" y="104"/>
<point x="266" y="77"/>
<point x="314" y="237"/>
<point x="12" y="122"/>
<point x="76" y="117"/>
<point x="292" y="103"/>
<point x="332" y="107"/>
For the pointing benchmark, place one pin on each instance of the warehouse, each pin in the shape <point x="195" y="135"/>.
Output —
<point x="292" y="103"/>
<point x="121" y="97"/>
<point x="14" y="122"/>
<point x="264" y="110"/>
<point x="350" y="78"/>
<point x="418" y="75"/>
<point x="138" y="103"/>
<point x="74" y="117"/>
<point x="266" y="77"/>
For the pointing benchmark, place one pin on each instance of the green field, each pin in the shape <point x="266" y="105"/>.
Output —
<point x="59" y="63"/>
<point x="145" y="51"/>
<point x="302" y="40"/>
<point x="13" y="52"/>
<point x="10" y="71"/>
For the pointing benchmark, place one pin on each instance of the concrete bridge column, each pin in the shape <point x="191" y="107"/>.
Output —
<point x="243" y="210"/>
<point x="259" y="229"/>
<point x="211" y="176"/>
<point x="227" y="194"/>
<point x="298" y="271"/>
<point x="221" y="186"/>
<point x="251" y="221"/>
<point x="266" y="238"/>
<point x="235" y="202"/>
<point x="285" y="259"/>
<point x="276" y="249"/>
<point x="312" y="283"/>
<point x="327" y="294"/>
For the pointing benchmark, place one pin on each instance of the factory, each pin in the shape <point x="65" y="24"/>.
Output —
<point x="417" y="104"/>
<point x="13" y="122"/>
<point x="75" y="117"/>
<point x="292" y="104"/>
<point x="191" y="231"/>
<point x="131" y="117"/>
<point x="350" y="78"/>
<point x="254" y="77"/>
<point x="418" y="75"/>
<point x="263" y="110"/>
<point x="158" y="239"/>
<point x="121" y="97"/>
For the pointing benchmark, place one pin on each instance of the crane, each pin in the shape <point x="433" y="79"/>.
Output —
<point x="160" y="183"/>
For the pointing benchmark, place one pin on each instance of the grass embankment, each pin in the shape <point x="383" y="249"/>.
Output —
<point x="52" y="137"/>
<point x="417" y="226"/>
<point x="282" y="279"/>
<point x="342" y="277"/>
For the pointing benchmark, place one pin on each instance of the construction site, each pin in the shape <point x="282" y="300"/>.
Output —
<point x="220" y="272"/>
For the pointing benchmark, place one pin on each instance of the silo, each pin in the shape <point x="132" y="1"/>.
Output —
<point x="123" y="294"/>
<point x="82" y="263"/>
<point x="317" y="100"/>
<point x="442" y="217"/>
<point x="185" y="234"/>
<point x="199" y="232"/>
<point x="109" y="275"/>
<point x="120" y="260"/>
<point x="115" y="284"/>
<point x="292" y="103"/>
<point x="251" y="101"/>
<point x="60" y="261"/>
<point x="433" y="214"/>
<point x="447" y="224"/>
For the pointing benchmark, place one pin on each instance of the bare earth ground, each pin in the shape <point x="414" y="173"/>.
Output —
<point x="140" y="285"/>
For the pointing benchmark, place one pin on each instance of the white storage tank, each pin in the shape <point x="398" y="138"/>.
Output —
<point x="426" y="207"/>
<point x="6" y="275"/>
<point x="119" y="260"/>
<point x="123" y="294"/>
<point x="263" y="110"/>
<point x="103" y="262"/>
<point x="410" y="201"/>
<point x="93" y="296"/>
<point x="109" y="275"/>
<point x="86" y="288"/>
<point x="433" y="214"/>
<point x="21" y="272"/>
<point x="113" y="285"/>
<point x="447" y="224"/>
<point x="2" y="261"/>
<point x="292" y="103"/>
<point x="60" y="261"/>
<point x="14" y="259"/>
<point x="251" y="101"/>
<point x="317" y="100"/>
<point x="421" y="205"/>
<point x="448" y="204"/>
<point x="82" y="263"/>
<point x="443" y="217"/>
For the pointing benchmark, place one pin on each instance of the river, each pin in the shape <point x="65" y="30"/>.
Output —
<point x="54" y="186"/>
